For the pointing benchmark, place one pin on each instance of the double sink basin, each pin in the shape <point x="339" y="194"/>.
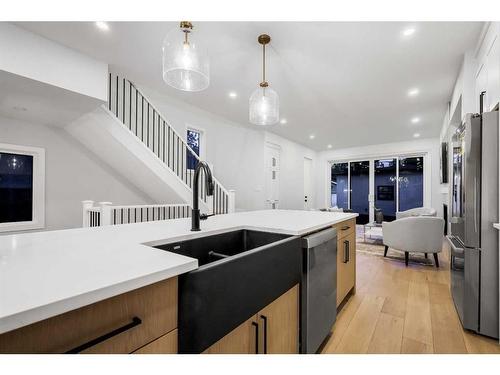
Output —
<point x="240" y="272"/>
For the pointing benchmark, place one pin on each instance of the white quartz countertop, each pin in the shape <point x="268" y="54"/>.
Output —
<point x="44" y="274"/>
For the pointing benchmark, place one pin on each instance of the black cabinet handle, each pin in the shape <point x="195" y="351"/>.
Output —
<point x="256" y="325"/>
<point x="135" y="322"/>
<point x="346" y="252"/>
<point x="264" y="318"/>
<point x="345" y="227"/>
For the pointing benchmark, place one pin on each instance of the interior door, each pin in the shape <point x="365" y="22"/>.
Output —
<point x="307" y="183"/>
<point x="272" y="175"/>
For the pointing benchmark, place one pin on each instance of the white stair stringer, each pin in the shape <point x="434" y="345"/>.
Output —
<point x="106" y="136"/>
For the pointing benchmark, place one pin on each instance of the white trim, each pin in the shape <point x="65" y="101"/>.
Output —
<point x="38" y="154"/>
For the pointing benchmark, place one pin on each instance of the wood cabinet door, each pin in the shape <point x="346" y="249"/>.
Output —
<point x="167" y="344"/>
<point x="241" y="340"/>
<point x="130" y="320"/>
<point x="346" y="266"/>
<point x="279" y="324"/>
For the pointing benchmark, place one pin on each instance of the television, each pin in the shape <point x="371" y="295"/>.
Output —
<point x="385" y="192"/>
<point x="444" y="163"/>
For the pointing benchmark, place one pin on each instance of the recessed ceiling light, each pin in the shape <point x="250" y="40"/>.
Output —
<point x="232" y="94"/>
<point x="102" y="25"/>
<point x="416" y="135"/>
<point x="413" y="92"/>
<point x="415" y="120"/>
<point x="409" y="31"/>
<point x="329" y="146"/>
<point x="312" y="136"/>
<point x="283" y="121"/>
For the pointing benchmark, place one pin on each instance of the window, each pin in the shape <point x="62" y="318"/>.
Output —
<point x="21" y="188"/>
<point x="194" y="141"/>
<point x="388" y="185"/>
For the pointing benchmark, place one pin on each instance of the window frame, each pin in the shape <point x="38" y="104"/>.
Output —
<point x="38" y="199"/>
<point x="426" y="181"/>
<point x="202" y="139"/>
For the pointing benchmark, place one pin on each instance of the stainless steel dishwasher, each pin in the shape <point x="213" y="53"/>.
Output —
<point x="318" y="289"/>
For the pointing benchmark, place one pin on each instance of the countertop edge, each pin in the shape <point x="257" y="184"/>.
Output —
<point x="21" y="319"/>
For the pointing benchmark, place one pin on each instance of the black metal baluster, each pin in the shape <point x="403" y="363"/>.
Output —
<point x="116" y="102"/>
<point x="177" y="154"/>
<point x="142" y="118"/>
<point x="135" y="111"/>
<point x="147" y="129"/>
<point x="109" y="92"/>
<point x="123" y="102"/>
<point x="153" y="139"/>
<point x="130" y="105"/>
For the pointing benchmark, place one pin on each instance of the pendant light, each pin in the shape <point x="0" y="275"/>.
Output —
<point x="264" y="102"/>
<point x="185" y="61"/>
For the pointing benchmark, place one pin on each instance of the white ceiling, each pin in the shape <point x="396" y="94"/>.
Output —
<point x="344" y="82"/>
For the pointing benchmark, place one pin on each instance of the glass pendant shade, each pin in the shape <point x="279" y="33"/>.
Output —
<point x="264" y="107"/>
<point x="185" y="62"/>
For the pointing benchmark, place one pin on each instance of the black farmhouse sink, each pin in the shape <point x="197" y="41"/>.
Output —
<point x="239" y="273"/>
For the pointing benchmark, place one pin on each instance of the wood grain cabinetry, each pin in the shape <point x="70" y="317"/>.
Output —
<point x="241" y="340"/>
<point x="166" y="344"/>
<point x="121" y="324"/>
<point x="346" y="259"/>
<point x="273" y="330"/>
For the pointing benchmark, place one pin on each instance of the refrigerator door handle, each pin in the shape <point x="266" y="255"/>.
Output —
<point x="475" y="204"/>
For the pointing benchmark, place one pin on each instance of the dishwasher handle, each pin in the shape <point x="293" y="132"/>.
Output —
<point x="318" y="238"/>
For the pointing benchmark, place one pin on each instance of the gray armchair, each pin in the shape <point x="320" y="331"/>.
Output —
<point x="415" y="234"/>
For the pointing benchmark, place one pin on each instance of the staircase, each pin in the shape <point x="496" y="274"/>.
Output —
<point x="137" y="141"/>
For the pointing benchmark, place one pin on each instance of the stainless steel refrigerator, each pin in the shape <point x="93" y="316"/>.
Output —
<point x="473" y="240"/>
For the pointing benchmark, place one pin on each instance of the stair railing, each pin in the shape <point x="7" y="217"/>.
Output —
<point x="138" y="114"/>
<point x="106" y="214"/>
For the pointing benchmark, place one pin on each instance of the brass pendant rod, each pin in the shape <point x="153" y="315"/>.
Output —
<point x="263" y="63"/>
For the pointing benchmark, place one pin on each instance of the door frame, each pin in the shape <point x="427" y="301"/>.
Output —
<point x="426" y="180"/>
<point x="268" y="146"/>
<point x="311" y="184"/>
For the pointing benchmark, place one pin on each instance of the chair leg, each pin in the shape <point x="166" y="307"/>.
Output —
<point x="385" y="250"/>
<point x="436" y="259"/>
<point x="425" y="255"/>
<point x="407" y="256"/>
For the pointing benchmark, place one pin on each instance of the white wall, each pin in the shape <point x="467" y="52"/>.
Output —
<point x="32" y="56"/>
<point x="237" y="153"/>
<point x="291" y="188"/>
<point x="72" y="174"/>
<point x="432" y="188"/>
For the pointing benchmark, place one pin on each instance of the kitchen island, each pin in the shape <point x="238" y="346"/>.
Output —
<point x="47" y="275"/>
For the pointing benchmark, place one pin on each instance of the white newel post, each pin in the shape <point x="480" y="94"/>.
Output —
<point x="86" y="205"/>
<point x="231" y="206"/>
<point x="105" y="213"/>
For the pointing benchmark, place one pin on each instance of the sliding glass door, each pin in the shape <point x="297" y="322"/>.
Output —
<point x="411" y="183"/>
<point x="388" y="185"/>
<point x="340" y="185"/>
<point x="385" y="187"/>
<point x="359" y="189"/>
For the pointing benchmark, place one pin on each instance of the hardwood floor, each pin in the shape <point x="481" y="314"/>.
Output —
<point x="402" y="310"/>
